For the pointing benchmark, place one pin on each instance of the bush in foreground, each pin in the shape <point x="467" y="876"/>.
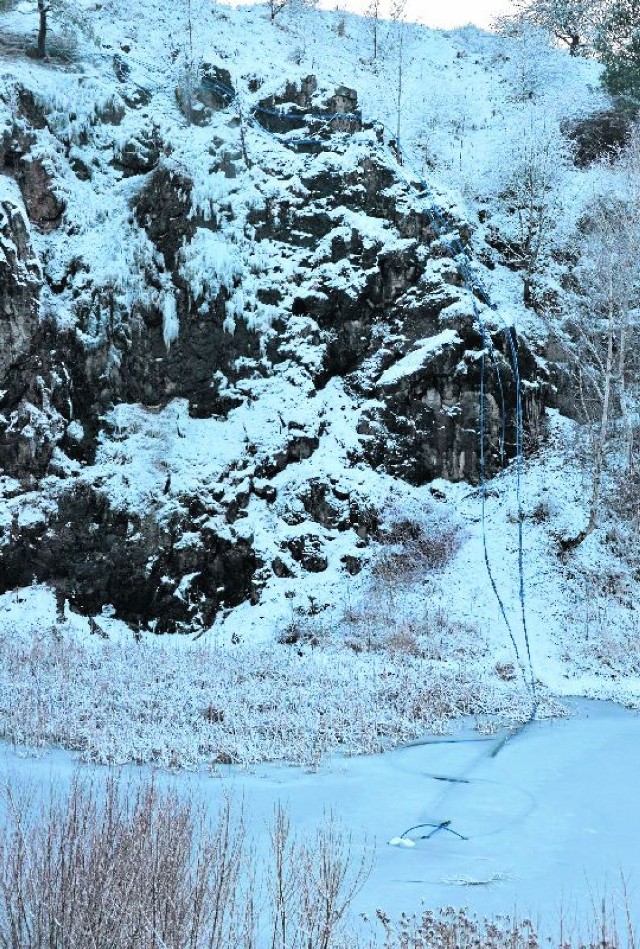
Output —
<point x="117" y="867"/>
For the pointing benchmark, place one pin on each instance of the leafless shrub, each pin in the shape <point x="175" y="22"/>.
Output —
<point x="626" y="498"/>
<point x="506" y="671"/>
<point x="615" y="648"/>
<point x="414" y="544"/>
<point x="98" y="867"/>
<point x="624" y="492"/>
<point x="457" y="929"/>
<point x="312" y="885"/>
<point x="115" y="867"/>
<point x="405" y="642"/>
<point x="385" y="622"/>
<point x="299" y="631"/>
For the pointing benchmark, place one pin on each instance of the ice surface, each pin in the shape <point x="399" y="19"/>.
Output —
<point x="549" y="820"/>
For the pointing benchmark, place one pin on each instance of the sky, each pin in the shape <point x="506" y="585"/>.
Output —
<point x="440" y="13"/>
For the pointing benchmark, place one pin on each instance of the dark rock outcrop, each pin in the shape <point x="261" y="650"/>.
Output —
<point x="298" y="109"/>
<point x="163" y="209"/>
<point x="366" y="290"/>
<point x="44" y="205"/>
<point x="139" y="155"/>
<point x="161" y="576"/>
<point x="428" y="425"/>
<point x="20" y="284"/>
<point x="600" y="135"/>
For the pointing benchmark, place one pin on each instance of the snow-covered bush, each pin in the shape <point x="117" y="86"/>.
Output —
<point x="531" y="198"/>
<point x="625" y="495"/>
<point x="458" y="929"/>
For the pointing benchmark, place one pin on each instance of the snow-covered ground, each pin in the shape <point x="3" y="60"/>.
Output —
<point x="318" y="664"/>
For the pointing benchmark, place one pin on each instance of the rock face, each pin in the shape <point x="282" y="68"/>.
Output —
<point x="20" y="279"/>
<point x="94" y="555"/>
<point x="29" y="422"/>
<point x="302" y="111"/>
<point x="157" y="418"/>
<point x="44" y="206"/>
<point x="427" y="425"/>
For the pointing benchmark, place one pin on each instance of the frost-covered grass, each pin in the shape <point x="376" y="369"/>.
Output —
<point x="182" y="704"/>
<point x="610" y="928"/>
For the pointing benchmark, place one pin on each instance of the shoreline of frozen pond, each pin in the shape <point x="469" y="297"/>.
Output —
<point x="549" y="819"/>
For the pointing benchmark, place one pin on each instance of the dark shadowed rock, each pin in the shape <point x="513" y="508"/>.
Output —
<point x="429" y="424"/>
<point x="95" y="555"/>
<point x="309" y="553"/>
<point x="139" y="155"/>
<point x="162" y="209"/>
<point x="600" y="135"/>
<point x="20" y="282"/>
<point x="42" y="199"/>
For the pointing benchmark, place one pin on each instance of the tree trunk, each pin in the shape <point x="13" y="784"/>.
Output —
<point x="42" y="29"/>
<point x="622" y="384"/>
<point x="574" y="45"/>
<point x="400" y="83"/>
<point x="601" y="442"/>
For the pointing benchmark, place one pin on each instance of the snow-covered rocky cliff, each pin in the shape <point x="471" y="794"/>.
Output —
<point x="237" y="347"/>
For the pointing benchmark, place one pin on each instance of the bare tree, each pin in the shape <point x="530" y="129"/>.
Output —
<point x="606" y="322"/>
<point x="574" y="23"/>
<point x="188" y="55"/>
<point x="530" y="195"/>
<point x="601" y="330"/>
<point x="43" y="11"/>
<point x="60" y="10"/>
<point x="189" y="70"/>
<point x="398" y="19"/>
<point x="312" y="884"/>
<point x="277" y="6"/>
<point x="373" y="13"/>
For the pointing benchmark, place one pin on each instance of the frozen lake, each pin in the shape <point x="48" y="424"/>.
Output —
<point x="551" y="821"/>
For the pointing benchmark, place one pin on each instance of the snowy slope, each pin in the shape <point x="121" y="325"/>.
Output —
<point x="246" y="475"/>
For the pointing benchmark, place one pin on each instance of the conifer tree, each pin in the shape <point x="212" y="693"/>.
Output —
<point x="619" y="48"/>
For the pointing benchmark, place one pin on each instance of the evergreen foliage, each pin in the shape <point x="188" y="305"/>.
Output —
<point x="619" y="48"/>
